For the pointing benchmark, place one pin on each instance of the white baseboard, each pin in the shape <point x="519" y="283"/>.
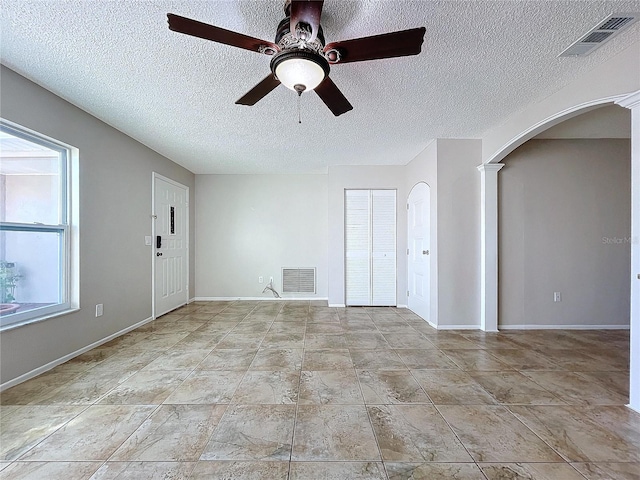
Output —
<point x="44" y="368"/>
<point x="563" y="327"/>
<point x="337" y="305"/>
<point x="401" y="306"/>
<point x="455" y="327"/>
<point x="227" y="299"/>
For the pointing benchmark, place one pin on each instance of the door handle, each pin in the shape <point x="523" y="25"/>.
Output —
<point x="425" y="252"/>
<point x="158" y="254"/>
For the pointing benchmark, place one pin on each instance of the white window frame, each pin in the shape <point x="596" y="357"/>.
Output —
<point x="68" y="228"/>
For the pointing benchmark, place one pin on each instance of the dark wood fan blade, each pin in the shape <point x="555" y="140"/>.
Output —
<point x="220" y="35"/>
<point x="387" y="45"/>
<point x="260" y="91"/>
<point x="333" y="97"/>
<point x="309" y="12"/>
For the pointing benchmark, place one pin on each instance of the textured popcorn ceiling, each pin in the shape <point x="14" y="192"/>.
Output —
<point x="481" y="61"/>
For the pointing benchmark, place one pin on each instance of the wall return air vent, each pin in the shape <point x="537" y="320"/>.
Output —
<point x="299" y="280"/>
<point x="604" y="31"/>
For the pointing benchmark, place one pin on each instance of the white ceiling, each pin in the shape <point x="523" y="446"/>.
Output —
<point x="481" y="60"/>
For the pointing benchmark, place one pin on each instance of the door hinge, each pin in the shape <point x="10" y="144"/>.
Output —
<point x="407" y="251"/>
<point x="407" y="293"/>
<point x="407" y="206"/>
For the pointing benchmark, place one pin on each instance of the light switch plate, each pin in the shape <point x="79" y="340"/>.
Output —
<point x="147" y="240"/>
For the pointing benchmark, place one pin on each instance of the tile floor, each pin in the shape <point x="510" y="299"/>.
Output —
<point x="273" y="390"/>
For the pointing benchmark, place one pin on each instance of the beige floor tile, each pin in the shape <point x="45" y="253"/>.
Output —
<point x="206" y="387"/>
<point x="433" y="471"/>
<point x="49" y="470"/>
<point x="383" y="387"/>
<point x="176" y="433"/>
<point x="320" y="341"/>
<point x="283" y="340"/>
<point x="410" y="340"/>
<point x="93" y="435"/>
<point x="571" y="359"/>
<point x="143" y="470"/>
<point x="241" y="340"/>
<point x="27" y="426"/>
<point x="453" y="341"/>
<point x="326" y="387"/>
<point x="334" y="433"/>
<point x="574" y="388"/>
<point x="268" y="387"/>
<point x="326" y="359"/>
<point x="514" y="388"/>
<point x="425" y="359"/>
<point x="531" y="471"/>
<point x="208" y="470"/>
<point x="609" y="471"/>
<point x="377" y="360"/>
<point x="253" y="432"/>
<point x="577" y="437"/>
<point x="415" y="433"/>
<point x="233" y="359"/>
<point x="337" y="471"/>
<point x="145" y="388"/>
<point x="452" y="387"/>
<point x="278" y="359"/>
<point x="326" y="328"/>
<point x="368" y="340"/>
<point x="620" y="419"/>
<point x="160" y="341"/>
<point x="475" y="360"/>
<point x="179" y="358"/>
<point x="522" y="359"/>
<point x="37" y="389"/>
<point x="493" y="434"/>
<point x="287" y="327"/>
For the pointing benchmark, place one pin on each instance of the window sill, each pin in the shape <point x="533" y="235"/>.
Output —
<point x="31" y="321"/>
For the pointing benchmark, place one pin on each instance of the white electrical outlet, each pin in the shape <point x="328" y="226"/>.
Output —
<point x="557" y="297"/>
<point x="99" y="310"/>
<point x="260" y="279"/>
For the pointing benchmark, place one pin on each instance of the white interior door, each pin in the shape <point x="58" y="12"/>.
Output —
<point x="383" y="248"/>
<point x="170" y="244"/>
<point x="370" y="247"/>
<point x="419" y="266"/>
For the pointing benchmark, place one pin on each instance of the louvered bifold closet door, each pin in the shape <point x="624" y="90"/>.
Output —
<point x="383" y="251"/>
<point x="370" y="245"/>
<point x="358" y="247"/>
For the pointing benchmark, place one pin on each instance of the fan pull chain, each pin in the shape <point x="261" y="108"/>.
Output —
<point x="299" y="88"/>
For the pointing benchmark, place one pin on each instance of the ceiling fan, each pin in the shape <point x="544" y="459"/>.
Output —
<point x="300" y="57"/>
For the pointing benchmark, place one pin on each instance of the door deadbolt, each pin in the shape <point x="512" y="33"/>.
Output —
<point x="158" y="254"/>
<point x="425" y="252"/>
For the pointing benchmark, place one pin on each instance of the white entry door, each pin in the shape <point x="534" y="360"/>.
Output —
<point x="170" y="244"/>
<point x="419" y="265"/>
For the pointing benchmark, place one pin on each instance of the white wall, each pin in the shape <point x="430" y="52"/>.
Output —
<point x="373" y="177"/>
<point x="253" y="225"/>
<point x="115" y="208"/>
<point x="564" y="226"/>
<point x="613" y="79"/>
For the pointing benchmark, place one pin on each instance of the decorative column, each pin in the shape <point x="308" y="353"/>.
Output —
<point x="632" y="102"/>
<point x="489" y="246"/>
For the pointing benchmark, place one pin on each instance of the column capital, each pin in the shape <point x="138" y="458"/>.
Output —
<point x="630" y="101"/>
<point x="490" y="167"/>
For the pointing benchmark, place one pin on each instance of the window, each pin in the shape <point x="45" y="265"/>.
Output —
<point x="36" y="232"/>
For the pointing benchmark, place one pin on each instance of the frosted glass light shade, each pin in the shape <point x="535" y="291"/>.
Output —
<point x="299" y="71"/>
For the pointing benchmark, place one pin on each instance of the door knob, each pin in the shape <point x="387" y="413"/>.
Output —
<point x="158" y="254"/>
<point x="425" y="252"/>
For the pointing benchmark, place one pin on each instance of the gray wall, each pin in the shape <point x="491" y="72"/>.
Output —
<point x="253" y="225"/>
<point x="562" y="205"/>
<point x="115" y="204"/>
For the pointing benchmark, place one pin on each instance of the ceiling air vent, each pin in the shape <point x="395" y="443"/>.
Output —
<point x="603" y="31"/>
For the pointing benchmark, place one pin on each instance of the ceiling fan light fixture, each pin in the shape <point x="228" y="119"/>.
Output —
<point x="296" y="68"/>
